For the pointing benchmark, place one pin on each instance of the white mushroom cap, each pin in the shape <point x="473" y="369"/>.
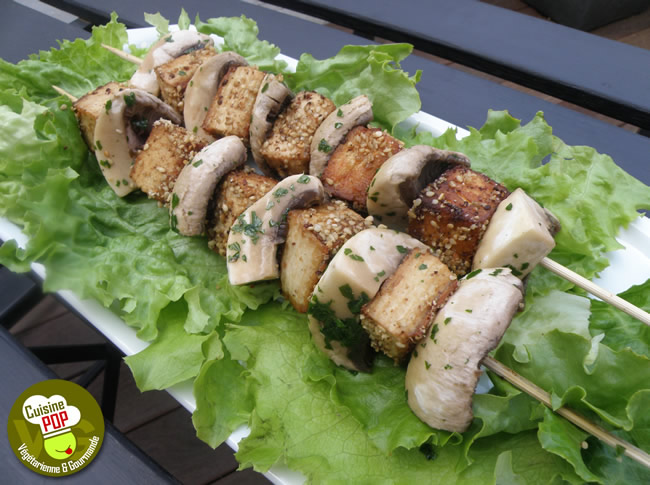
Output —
<point x="197" y="181"/>
<point x="334" y="128"/>
<point x="403" y="176"/>
<point x="202" y="89"/>
<point x="362" y="263"/>
<point x="272" y="96"/>
<point x="442" y="375"/>
<point x="122" y="129"/>
<point x="254" y="239"/>
<point x="169" y="47"/>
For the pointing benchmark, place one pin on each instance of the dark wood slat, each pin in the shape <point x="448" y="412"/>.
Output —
<point x="188" y="461"/>
<point x="25" y="31"/>
<point x="542" y="55"/>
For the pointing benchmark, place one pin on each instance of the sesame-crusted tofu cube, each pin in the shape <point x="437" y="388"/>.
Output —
<point x="287" y="148"/>
<point x="231" y="109"/>
<point x="90" y="106"/>
<point x="354" y="163"/>
<point x="168" y="149"/>
<point x="313" y="238"/>
<point x="175" y="75"/>
<point x="451" y="215"/>
<point x="236" y="192"/>
<point x="400" y="313"/>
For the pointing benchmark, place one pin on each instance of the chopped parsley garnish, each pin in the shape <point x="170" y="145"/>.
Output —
<point x="347" y="331"/>
<point x="381" y="273"/>
<point x="509" y="207"/>
<point x="303" y="179"/>
<point x="106" y="163"/>
<point x="447" y="320"/>
<point x="354" y="257"/>
<point x="252" y="229"/>
<point x="108" y="105"/>
<point x="524" y="266"/>
<point x="197" y="164"/>
<point x="514" y="270"/>
<point x="281" y="192"/>
<point x="169" y="39"/>
<point x="473" y="273"/>
<point x="175" y="201"/>
<point x="323" y="146"/>
<point x="339" y="113"/>
<point x="174" y="222"/>
<point x="426" y="365"/>
<point x="129" y="99"/>
<point x="270" y="205"/>
<point x="195" y="129"/>
<point x="401" y="249"/>
<point x="496" y="272"/>
<point x="422" y="266"/>
<point x="447" y="367"/>
<point x="265" y="87"/>
<point x="434" y="331"/>
<point x="338" y="125"/>
<point x="235" y="248"/>
<point x="469" y="310"/>
<point x="141" y="124"/>
<point x="182" y="73"/>
<point x="372" y="248"/>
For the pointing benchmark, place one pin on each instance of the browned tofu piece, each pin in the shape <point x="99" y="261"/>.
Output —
<point x="236" y="192"/>
<point x="231" y="109"/>
<point x="313" y="238"/>
<point x="288" y="146"/>
<point x="452" y="214"/>
<point x="90" y="106"/>
<point x="354" y="163"/>
<point x="168" y="149"/>
<point x="175" y="75"/>
<point x="400" y="313"/>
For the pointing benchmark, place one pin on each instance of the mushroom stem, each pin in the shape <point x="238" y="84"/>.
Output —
<point x="64" y="93"/>
<point x="124" y="55"/>
<point x="596" y="290"/>
<point x="637" y="454"/>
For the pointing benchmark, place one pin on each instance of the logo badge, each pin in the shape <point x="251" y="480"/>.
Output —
<point x="55" y="428"/>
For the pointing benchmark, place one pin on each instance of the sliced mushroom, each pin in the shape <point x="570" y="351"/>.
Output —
<point x="443" y="373"/>
<point x="519" y="235"/>
<point x="169" y="47"/>
<point x="197" y="181"/>
<point x="272" y="97"/>
<point x="254" y="239"/>
<point x="353" y="278"/>
<point x="400" y="179"/>
<point x="332" y="131"/>
<point x="121" y="131"/>
<point x="203" y="87"/>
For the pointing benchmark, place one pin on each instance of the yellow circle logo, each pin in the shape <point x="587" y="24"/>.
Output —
<point x="55" y="428"/>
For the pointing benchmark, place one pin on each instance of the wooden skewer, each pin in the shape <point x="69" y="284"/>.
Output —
<point x="637" y="454"/>
<point x="596" y="290"/>
<point x="64" y="93"/>
<point x="127" y="57"/>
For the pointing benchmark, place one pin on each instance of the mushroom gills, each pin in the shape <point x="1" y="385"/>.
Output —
<point x="254" y="239"/>
<point x="353" y="278"/>
<point x="442" y="374"/>
<point x="121" y="131"/>
<point x="403" y="176"/>
<point x="197" y="181"/>
<point x="519" y="235"/>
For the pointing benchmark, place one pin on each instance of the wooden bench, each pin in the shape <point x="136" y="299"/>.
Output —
<point x="600" y="74"/>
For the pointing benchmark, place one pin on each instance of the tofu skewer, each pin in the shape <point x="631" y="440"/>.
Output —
<point x="438" y="195"/>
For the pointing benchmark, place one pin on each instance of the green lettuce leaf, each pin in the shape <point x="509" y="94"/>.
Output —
<point x="158" y="21"/>
<point x="240" y="35"/>
<point x="373" y="70"/>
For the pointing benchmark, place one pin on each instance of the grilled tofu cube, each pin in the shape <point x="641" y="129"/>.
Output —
<point x="400" y="313"/>
<point x="231" y="110"/>
<point x="313" y="238"/>
<point x="354" y="163"/>
<point x="452" y="214"/>
<point x="168" y="149"/>
<point x="287" y="148"/>
<point x="175" y="75"/>
<point x="90" y="106"/>
<point x="236" y="192"/>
